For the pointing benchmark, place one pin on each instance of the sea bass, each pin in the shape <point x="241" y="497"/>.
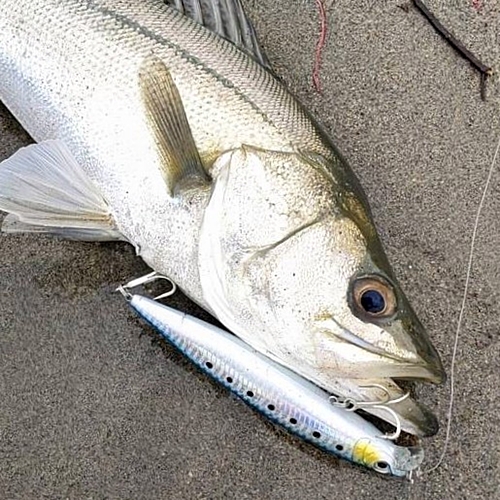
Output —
<point x="155" y="130"/>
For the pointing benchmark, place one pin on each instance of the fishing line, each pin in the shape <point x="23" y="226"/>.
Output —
<point x="320" y="44"/>
<point x="462" y="310"/>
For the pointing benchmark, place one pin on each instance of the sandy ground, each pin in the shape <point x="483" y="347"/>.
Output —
<point x="93" y="405"/>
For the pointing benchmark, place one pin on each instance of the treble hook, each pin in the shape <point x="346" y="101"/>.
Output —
<point x="148" y="278"/>
<point x="415" y="472"/>
<point x="350" y="404"/>
<point x="397" y="421"/>
<point x="409" y="476"/>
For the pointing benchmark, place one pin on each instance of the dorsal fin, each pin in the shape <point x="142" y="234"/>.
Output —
<point x="227" y="19"/>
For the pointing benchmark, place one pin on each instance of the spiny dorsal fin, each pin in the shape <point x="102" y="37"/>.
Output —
<point x="227" y="19"/>
<point x="169" y="125"/>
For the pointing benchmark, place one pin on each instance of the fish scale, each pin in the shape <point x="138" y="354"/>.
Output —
<point x="93" y="52"/>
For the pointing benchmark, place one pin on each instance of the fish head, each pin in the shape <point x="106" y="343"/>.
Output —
<point x="291" y="262"/>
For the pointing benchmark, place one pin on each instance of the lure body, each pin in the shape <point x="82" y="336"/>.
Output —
<point x="283" y="397"/>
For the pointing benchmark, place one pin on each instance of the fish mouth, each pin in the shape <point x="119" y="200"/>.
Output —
<point x="418" y="362"/>
<point x="429" y="367"/>
<point x="427" y="372"/>
<point x="383" y="367"/>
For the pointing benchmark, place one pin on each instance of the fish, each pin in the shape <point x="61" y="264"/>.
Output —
<point x="280" y="395"/>
<point x="178" y="138"/>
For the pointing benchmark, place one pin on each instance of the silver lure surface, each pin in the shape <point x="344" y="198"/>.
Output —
<point x="283" y="397"/>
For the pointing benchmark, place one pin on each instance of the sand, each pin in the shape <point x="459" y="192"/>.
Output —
<point x="93" y="405"/>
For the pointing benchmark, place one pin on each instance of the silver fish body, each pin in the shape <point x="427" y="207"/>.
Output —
<point x="279" y="394"/>
<point x="275" y="238"/>
<point x="70" y="71"/>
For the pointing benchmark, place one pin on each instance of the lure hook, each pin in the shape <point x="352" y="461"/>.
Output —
<point x="409" y="476"/>
<point x="350" y="404"/>
<point x="394" y="435"/>
<point x="148" y="278"/>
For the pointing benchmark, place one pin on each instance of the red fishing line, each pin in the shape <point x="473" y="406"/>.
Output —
<point x="320" y="44"/>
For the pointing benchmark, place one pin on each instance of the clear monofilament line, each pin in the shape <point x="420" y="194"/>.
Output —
<point x="462" y="311"/>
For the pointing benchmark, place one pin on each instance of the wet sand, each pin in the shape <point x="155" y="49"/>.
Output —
<point x="94" y="405"/>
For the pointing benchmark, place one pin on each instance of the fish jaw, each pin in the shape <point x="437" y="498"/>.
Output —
<point x="334" y="342"/>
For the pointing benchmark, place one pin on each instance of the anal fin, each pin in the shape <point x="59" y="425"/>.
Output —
<point x="44" y="190"/>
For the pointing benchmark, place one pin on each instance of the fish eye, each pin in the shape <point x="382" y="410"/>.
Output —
<point x="373" y="297"/>
<point x="372" y="301"/>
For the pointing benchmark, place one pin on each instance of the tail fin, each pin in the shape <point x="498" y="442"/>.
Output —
<point x="45" y="190"/>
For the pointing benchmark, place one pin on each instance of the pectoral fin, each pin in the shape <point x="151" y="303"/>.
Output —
<point x="169" y="125"/>
<point x="45" y="190"/>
